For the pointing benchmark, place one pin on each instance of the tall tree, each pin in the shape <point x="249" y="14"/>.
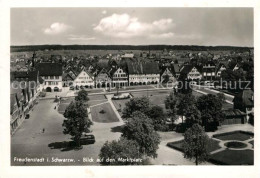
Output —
<point x="210" y="107"/>
<point x="82" y="96"/>
<point x="171" y="106"/>
<point x="76" y="121"/>
<point x="186" y="107"/>
<point x="136" y="104"/>
<point x="140" y="129"/>
<point x="195" y="144"/>
<point x="158" y="118"/>
<point x="121" y="149"/>
<point x="184" y="85"/>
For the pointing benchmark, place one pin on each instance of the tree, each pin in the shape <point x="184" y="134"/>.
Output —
<point x="210" y="107"/>
<point x="221" y="97"/>
<point x="121" y="149"/>
<point x="166" y="78"/>
<point x="76" y="121"/>
<point x="82" y="96"/>
<point x="136" y="104"/>
<point x="184" y="85"/>
<point x="195" y="144"/>
<point x="171" y="106"/>
<point x="186" y="106"/>
<point x="158" y="118"/>
<point x="140" y="129"/>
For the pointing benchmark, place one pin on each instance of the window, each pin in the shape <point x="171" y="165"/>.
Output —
<point x="51" y="77"/>
<point x="46" y="77"/>
<point x="49" y="83"/>
<point x="56" y="77"/>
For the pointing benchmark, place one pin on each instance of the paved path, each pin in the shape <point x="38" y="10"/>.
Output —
<point x="29" y="141"/>
<point x="203" y="90"/>
<point x="114" y="108"/>
<point x="206" y="92"/>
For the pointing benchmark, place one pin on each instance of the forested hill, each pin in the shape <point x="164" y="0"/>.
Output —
<point x="123" y="47"/>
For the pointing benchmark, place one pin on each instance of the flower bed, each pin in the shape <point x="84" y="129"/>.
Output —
<point x="121" y="96"/>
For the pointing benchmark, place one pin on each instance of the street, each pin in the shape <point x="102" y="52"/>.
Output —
<point x="29" y="141"/>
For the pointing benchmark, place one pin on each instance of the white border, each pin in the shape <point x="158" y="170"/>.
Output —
<point x="119" y="171"/>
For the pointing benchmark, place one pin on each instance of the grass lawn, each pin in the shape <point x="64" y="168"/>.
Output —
<point x="120" y="102"/>
<point x="107" y="117"/>
<point x="233" y="157"/>
<point x="97" y="97"/>
<point x="64" y="104"/>
<point x="156" y="97"/>
<point x="237" y="135"/>
<point x="212" y="146"/>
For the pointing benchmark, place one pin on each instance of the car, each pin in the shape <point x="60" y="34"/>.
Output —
<point x="27" y="116"/>
<point x="87" y="139"/>
<point x="72" y="87"/>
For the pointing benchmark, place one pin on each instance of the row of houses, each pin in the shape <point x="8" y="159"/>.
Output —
<point x="24" y="90"/>
<point x="110" y="74"/>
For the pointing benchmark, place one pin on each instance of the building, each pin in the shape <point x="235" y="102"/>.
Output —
<point x="143" y="73"/>
<point x="102" y="78"/>
<point x="84" y="79"/>
<point x="176" y="70"/>
<point x="166" y="75"/>
<point x="208" y="71"/>
<point x="191" y="72"/>
<point x="244" y="101"/>
<point x="51" y="73"/>
<point x="119" y="76"/>
<point x="16" y="108"/>
<point x="127" y="56"/>
<point x="219" y="69"/>
<point x="233" y="116"/>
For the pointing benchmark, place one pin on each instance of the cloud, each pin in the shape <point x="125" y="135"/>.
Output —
<point x="163" y="35"/>
<point x="124" y="26"/>
<point x="80" y="38"/>
<point x="104" y="12"/>
<point x="56" y="28"/>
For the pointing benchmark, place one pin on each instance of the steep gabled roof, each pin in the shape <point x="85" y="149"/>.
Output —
<point x="143" y="68"/>
<point x="49" y="69"/>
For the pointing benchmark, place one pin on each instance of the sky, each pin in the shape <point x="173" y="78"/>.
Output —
<point x="133" y="26"/>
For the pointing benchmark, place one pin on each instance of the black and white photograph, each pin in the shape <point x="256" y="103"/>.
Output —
<point x="131" y="86"/>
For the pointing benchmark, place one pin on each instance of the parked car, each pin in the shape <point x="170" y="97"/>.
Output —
<point x="87" y="139"/>
<point x="72" y="88"/>
<point x="27" y="116"/>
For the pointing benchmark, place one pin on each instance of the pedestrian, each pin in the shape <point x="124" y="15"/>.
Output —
<point x="43" y="130"/>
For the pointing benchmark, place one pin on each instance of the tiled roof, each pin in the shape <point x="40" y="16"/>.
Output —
<point x="49" y="69"/>
<point x="143" y="68"/>
<point x="176" y="68"/>
<point x="233" y="113"/>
